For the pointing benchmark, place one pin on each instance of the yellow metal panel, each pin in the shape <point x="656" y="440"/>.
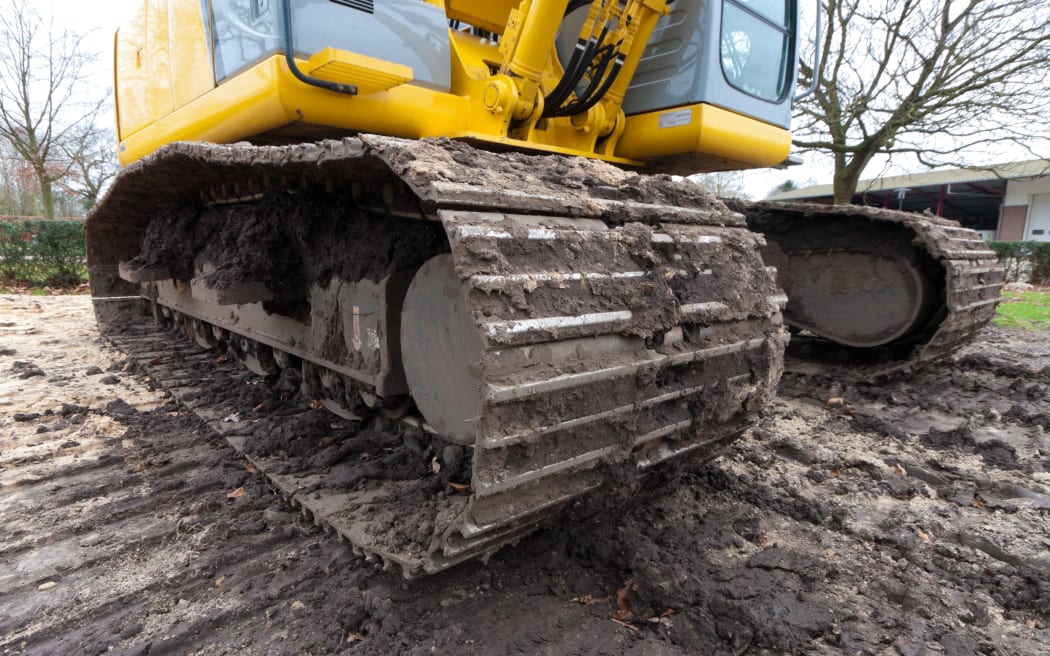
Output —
<point x="707" y="131"/>
<point x="192" y="72"/>
<point x="158" y="58"/>
<point x="132" y="78"/>
<point x="489" y="15"/>
<point x="368" y="74"/>
<point x="267" y="96"/>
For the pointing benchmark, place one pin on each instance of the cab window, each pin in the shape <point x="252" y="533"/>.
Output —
<point x="757" y="46"/>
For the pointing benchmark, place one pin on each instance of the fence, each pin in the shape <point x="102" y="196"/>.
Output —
<point x="37" y="252"/>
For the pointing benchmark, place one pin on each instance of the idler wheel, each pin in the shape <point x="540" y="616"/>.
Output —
<point x="441" y="351"/>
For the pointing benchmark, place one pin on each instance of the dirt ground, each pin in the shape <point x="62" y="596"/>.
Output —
<point x="906" y="518"/>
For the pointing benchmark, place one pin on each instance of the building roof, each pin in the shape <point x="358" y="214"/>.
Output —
<point x="971" y="196"/>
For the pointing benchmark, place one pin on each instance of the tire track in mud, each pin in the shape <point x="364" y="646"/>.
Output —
<point x="804" y="538"/>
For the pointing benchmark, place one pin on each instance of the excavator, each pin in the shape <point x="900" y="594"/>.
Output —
<point x="459" y="223"/>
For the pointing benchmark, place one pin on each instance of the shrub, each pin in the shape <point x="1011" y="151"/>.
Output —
<point x="1022" y="259"/>
<point x="36" y="253"/>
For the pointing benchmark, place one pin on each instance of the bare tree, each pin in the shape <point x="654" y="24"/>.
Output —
<point x="91" y="154"/>
<point x="43" y="71"/>
<point x="723" y="184"/>
<point x="942" y="80"/>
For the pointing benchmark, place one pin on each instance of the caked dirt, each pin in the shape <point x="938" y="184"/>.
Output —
<point x="911" y="517"/>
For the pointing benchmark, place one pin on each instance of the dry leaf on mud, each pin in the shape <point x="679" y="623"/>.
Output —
<point x="251" y="468"/>
<point x="155" y="361"/>
<point x="589" y="599"/>
<point x="901" y="471"/>
<point x="978" y="502"/>
<point x="218" y="581"/>
<point x="624" y="613"/>
<point x="259" y="408"/>
<point x="663" y="618"/>
<point x="316" y="405"/>
<point x="355" y="637"/>
<point x="835" y="472"/>
<point x="460" y="487"/>
<point x="296" y="605"/>
<point x="1031" y="623"/>
<point x="221" y="359"/>
<point x="836" y="402"/>
<point x="239" y="492"/>
<point x="923" y="536"/>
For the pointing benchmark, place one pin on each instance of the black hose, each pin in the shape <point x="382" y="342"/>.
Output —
<point x="289" y="56"/>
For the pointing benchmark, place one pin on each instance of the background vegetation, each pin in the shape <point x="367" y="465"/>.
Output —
<point x="1024" y="260"/>
<point x="37" y="253"/>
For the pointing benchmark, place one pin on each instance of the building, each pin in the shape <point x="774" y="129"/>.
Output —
<point x="1010" y="202"/>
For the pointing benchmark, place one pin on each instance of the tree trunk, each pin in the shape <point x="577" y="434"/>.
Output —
<point x="847" y="174"/>
<point x="47" y="198"/>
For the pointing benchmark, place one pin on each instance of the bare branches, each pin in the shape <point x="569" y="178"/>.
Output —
<point x="44" y="110"/>
<point x="937" y="79"/>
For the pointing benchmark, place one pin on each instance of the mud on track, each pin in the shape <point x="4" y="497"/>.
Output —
<point x="912" y="519"/>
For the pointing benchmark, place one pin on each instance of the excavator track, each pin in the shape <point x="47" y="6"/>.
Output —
<point x="533" y="327"/>
<point x="855" y="266"/>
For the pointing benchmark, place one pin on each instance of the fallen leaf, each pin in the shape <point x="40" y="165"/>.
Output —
<point x="923" y="536"/>
<point x="218" y="581"/>
<point x="461" y="487"/>
<point x="978" y="502"/>
<point x="836" y="401"/>
<point x="901" y="471"/>
<point x="1031" y="623"/>
<point x="589" y="600"/>
<point x="221" y="359"/>
<point x="155" y="361"/>
<point x="296" y="605"/>
<point x="355" y="637"/>
<point x="239" y="492"/>
<point x="849" y="411"/>
<point x="835" y="471"/>
<point x="316" y="405"/>
<point x="663" y="618"/>
<point x="624" y="612"/>
<point x="251" y="468"/>
<point x="625" y="624"/>
<point x="259" y="408"/>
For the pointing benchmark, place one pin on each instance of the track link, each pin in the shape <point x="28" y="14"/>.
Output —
<point x="623" y="320"/>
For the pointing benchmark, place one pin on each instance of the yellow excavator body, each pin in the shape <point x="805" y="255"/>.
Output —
<point x="166" y="91"/>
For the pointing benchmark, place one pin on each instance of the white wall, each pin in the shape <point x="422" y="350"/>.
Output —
<point x="1019" y="192"/>
<point x="1036" y="195"/>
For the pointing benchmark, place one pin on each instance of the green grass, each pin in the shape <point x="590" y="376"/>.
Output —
<point x="1028" y="310"/>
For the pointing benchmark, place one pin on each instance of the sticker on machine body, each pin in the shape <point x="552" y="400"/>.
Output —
<point x="675" y="119"/>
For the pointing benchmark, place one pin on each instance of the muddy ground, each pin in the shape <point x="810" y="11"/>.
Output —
<point x="907" y="518"/>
